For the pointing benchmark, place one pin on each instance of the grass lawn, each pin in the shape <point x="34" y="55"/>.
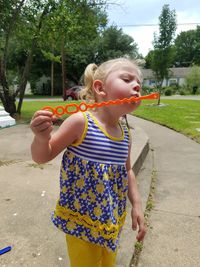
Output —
<point x="180" y="115"/>
<point x="30" y="107"/>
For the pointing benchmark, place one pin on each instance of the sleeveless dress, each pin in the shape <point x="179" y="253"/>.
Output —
<point x="93" y="186"/>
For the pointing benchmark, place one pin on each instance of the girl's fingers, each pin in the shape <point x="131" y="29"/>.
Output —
<point x="40" y="120"/>
<point x="47" y="130"/>
<point x="134" y="220"/>
<point x="141" y="234"/>
<point x="42" y="126"/>
<point x="142" y="230"/>
<point x="42" y="113"/>
<point x="134" y="223"/>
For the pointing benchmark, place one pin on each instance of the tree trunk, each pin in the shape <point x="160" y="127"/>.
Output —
<point x="7" y="99"/>
<point x="159" y="90"/>
<point x="8" y="103"/>
<point x="52" y="78"/>
<point x="63" y="70"/>
<point x="158" y="99"/>
<point x="22" y="87"/>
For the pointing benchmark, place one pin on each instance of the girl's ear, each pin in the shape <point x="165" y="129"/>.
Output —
<point x="99" y="88"/>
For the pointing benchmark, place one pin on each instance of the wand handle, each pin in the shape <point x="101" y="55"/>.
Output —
<point x="4" y="250"/>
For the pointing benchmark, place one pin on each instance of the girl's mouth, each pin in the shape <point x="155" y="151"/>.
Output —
<point x="135" y="95"/>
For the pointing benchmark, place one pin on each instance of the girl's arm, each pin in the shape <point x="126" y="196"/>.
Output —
<point x="135" y="199"/>
<point x="45" y="146"/>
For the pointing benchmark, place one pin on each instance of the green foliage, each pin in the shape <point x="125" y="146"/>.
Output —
<point x="50" y="56"/>
<point x="167" y="28"/>
<point x="138" y="246"/>
<point x="114" y="43"/>
<point x="68" y="24"/>
<point x="162" y="56"/>
<point x="187" y="48"/>
<point x="193" y="79"/>
<point x="147" y="90"/>
<point x="149" y="59"/>
<point x="168" y="92"/>
<point x="33" y="32"/>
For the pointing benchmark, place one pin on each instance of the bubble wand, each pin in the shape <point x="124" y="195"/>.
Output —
<point x="61" y="110"/>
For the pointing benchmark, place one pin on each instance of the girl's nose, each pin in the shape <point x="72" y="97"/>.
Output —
<point x="137" y="88"/>
<point x="135" y="85"/>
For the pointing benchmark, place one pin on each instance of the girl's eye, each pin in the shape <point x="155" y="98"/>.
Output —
<point x="126" y="80"/>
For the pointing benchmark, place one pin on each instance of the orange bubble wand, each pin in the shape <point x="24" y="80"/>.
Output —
<point x="61" y="110"/>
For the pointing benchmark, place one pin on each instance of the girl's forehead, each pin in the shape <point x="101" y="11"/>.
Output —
<point x="130" y="69"/>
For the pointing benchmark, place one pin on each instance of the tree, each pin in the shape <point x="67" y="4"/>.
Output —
<point x="193" y="79"/>
<point x="68" y="28"/>
<point x="10" y="11"/>
<point x="197" y="53"/>
<point x="148" y="59"/>
<point x="21" y="20"/>
<point x="185" y="47"/>
<point x="114" y="43"/>
<point x="163" y="53"/>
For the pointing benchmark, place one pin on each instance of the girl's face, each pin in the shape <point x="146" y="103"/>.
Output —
<point x="123" y="82"/>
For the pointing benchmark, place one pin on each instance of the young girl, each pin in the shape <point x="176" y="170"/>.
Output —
<point x="96" y="174"/>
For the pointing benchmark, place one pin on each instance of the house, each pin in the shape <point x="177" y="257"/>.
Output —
<point x="177" y="77"/>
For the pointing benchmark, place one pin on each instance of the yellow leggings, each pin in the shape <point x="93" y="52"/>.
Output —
<point x="84" y="254"/>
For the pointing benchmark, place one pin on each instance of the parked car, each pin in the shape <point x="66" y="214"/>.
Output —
<point x="73" y="92"/>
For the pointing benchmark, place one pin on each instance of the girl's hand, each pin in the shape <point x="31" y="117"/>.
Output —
<point x="138" y="220"/>
<point x="42" y="125"/>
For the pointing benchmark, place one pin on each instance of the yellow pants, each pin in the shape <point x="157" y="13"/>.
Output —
<point x="85" y="254"/>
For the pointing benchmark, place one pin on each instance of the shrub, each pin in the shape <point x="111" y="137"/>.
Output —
<point x="168" y="92"/>
<point x="182" y="92"/>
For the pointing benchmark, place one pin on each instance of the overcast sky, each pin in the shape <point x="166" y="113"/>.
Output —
<point x="135" y="12"/>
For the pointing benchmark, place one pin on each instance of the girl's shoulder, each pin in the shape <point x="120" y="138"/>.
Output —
<point x="72" y="128"/>
<point x="78" y="123"/>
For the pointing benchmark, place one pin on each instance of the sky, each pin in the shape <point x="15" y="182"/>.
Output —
<point x="123" y="13"/>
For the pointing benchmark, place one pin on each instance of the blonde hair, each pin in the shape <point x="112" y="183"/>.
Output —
<point x="94" y="72"/>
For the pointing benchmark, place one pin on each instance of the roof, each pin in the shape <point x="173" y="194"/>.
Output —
<point x="175" y="73"/>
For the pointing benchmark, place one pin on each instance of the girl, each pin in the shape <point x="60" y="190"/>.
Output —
<point x="96" y="173"/>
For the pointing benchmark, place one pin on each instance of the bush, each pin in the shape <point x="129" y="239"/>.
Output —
<point x="147" y="90"/>
<point x="182" y="92"/>
<point x="168" y="92"/>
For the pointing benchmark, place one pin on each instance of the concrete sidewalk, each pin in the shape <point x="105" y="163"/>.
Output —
<point x="174" y="236"/>
<point x="28" y="194"/>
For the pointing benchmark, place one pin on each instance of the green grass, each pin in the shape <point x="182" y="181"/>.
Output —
<point x="41" y="96"/>
<point x="30" y="107"/>
<point x="180" y="115"/>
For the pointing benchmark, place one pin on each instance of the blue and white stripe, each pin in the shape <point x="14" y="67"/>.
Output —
<point x="99" y="147"/>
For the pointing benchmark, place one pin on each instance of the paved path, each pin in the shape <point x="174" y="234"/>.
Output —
<point x="28" y="195"/>
<point x="182" y="97"/>
<point x="174" y="236"/>
<point x="177" y="97"/>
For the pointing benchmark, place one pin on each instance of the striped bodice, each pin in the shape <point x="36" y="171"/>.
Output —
<point x="97" y="145"/>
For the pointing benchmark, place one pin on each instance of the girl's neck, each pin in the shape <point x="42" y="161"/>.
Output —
<point x="107" y="117"/>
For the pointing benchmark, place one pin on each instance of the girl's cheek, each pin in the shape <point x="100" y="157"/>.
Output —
<point x="120" y="93"/>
